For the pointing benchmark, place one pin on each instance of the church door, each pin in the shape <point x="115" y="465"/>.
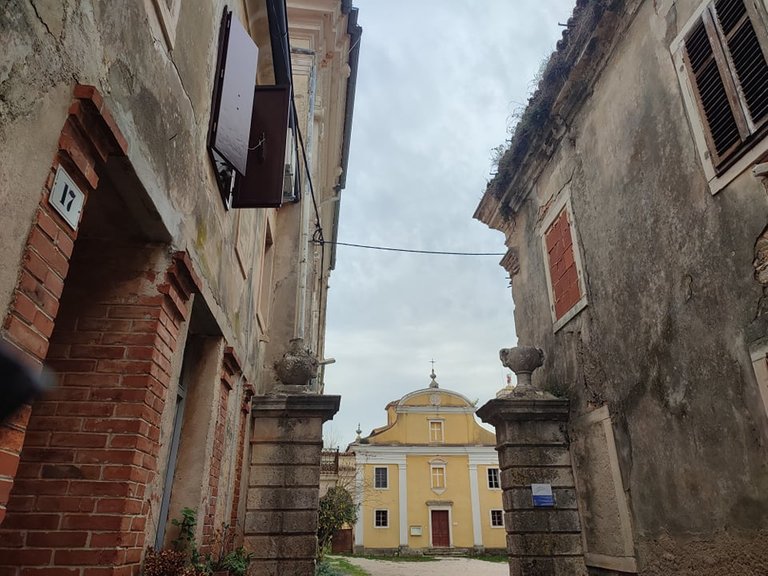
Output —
<point x="441" y="536"/>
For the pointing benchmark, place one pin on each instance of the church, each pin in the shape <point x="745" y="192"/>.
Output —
<point x="429" y="479"/>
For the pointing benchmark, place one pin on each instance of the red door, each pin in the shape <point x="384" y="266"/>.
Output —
<point x="441" y="535"/>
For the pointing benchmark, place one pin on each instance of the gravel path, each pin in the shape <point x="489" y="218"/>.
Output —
<point x="442" y="567"/>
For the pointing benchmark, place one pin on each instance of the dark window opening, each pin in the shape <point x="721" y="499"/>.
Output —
<point x="493" y="478"/>
<point x="380" y="479"/>
<point x="382" y="518"/>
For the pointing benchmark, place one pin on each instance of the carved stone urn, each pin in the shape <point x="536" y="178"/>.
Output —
<point x="522" y="360"/>
<point x="297" y="366"/>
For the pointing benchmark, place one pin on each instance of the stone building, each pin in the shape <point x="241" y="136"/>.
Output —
<point x="170" y="172"/>
<point x="337" y="469"/>
<point x="635" y="215"/>
<point x="429" y="479"/>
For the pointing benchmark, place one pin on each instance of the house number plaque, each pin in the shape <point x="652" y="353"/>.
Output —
<point x="66" y="198"/>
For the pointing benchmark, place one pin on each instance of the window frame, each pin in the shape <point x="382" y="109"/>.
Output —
<point x="443" y="468"/>
<point x="376" y="512"/>
<point x="719" y="175"/>
<point x="497" y="479"/>
<point x="376" y="479"/>
<point x="169" y="19"/>
<point x="266" y="284"/>
<point x="441" y="423"/>
<point x="560" y="204"/>
<point x="500" y="514"/>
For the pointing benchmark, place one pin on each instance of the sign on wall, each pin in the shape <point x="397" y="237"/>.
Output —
<point x="542" y="495"/>
<point x="66" y="198"/>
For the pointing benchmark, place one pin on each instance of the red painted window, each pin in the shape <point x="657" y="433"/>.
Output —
<point x="562" y="265"/>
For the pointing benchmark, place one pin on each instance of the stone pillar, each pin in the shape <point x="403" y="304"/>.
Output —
<point x="284" y="482"/>
<point x="532" y="442"/>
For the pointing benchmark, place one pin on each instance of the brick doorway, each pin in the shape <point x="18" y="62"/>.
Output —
<point x="103" y="306"/>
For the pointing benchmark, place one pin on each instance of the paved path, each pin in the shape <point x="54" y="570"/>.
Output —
<point x="442" y="567"/>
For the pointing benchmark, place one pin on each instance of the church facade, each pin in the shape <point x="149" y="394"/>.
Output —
<point x="429" y="479"/>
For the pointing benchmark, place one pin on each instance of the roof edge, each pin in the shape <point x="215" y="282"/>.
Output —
<point x="566" y="82"/>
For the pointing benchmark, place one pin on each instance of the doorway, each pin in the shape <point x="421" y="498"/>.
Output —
<point x="441" y="528"/>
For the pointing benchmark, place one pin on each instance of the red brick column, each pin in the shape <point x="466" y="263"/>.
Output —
<point x="245" y="409"/>
<point x="80" y="502"/>
<point x="230" y="370"/>
<point x="89" y="136"/>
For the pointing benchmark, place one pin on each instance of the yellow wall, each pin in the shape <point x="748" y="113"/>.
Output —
<point x="375" y="498"/>
<point x="489" y="499"/>
<point x="413" y="428"/>
<point x="456" y="491"/>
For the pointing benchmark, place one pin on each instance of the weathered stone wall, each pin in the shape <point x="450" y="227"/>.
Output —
<point x="160" y="99"/>
<point x="662" y="341"/>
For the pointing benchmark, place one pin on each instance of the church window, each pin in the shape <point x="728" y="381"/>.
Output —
<point x="380" y="477"/>
<point x="497" y="518"/>
<point x="438" y="476"/>
<point x="381" y="518"/>
<point x="436" y="431"/>
<point x="494" y="482"/>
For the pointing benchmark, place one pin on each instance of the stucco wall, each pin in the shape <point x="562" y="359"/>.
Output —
<point x="490" y="499"/>
<point x="670" y="288"/>
<point x="160" y="97"/>
<point x="380" y="499"/>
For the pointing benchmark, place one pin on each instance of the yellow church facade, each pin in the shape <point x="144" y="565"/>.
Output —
<point x="428" y="479"/>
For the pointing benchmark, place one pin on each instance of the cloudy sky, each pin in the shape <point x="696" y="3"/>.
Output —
<point x="437" y="82"/>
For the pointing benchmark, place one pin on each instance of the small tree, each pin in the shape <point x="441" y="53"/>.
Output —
<point x="336" y="509"/>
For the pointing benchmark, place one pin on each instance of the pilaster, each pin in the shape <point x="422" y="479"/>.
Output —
<point x="474" y="493"/>
<point x="403" y="503"/>
<point x="284" y="482"/>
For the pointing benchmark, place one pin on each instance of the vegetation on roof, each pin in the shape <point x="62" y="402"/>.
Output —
<point x="531" y="123"/>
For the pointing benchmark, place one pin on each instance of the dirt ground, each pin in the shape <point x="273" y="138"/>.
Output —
<point x="442" y="567"/>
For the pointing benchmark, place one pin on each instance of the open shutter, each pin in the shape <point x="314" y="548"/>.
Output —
<point x="723" y="135"/>
<point x="232" y="102"/>
<point x="726" y="57"/>
<point x="263" y="182"/>
<point x="746" y="56"/>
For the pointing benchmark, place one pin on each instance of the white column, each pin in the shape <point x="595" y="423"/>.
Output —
<point x="403" y="498"/>
<point x="477" y="528"/>
<point x="359" y="487"/>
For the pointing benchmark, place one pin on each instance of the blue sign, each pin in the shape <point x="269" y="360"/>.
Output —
<point x="542" y="495"/>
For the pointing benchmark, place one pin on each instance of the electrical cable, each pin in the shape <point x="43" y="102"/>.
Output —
<point x="318" y="234"/>
<point x="412" y="251"/>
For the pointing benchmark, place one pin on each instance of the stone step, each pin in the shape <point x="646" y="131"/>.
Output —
<point x="447" y="551"/>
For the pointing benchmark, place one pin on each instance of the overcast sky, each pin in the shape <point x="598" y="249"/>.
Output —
<point x="437" y="82"/>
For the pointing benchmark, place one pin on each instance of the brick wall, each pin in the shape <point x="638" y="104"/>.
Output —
<point x="89" y="136"/>
<point x="230" y="373"/>
<point x="214" y="477"/>
<point x="91" y="447"/>
<point x="563" y="272"/>
<point x="245" y="409"/>
<point x="74" y="470"/>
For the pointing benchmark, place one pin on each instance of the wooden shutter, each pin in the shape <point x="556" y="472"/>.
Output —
<point x="727" y="67"/>
<point x="229" y="130"/>
<point x="262" y="184"/>
<point x="746" y="56"/>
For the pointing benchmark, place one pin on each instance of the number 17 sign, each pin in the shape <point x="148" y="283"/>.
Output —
<point x="66" y="198"/>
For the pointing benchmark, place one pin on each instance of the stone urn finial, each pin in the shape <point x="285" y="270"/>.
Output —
<point x="297" y="366"/>
<point x="522" y="360"/>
